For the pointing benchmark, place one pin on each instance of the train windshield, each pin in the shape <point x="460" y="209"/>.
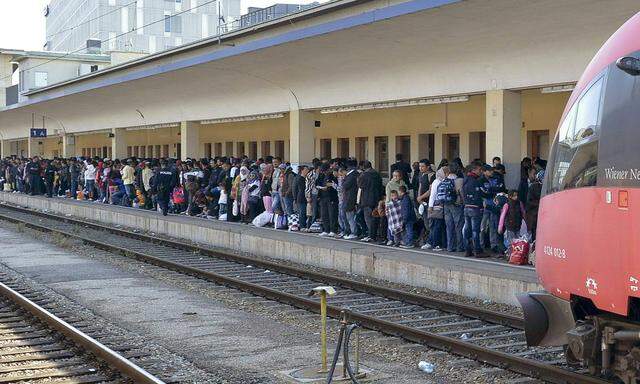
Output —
<point x="574" y="155"/>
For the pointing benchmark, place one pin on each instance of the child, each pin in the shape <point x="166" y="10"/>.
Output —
<point x="380" y="217"/>
<point x="511" y="218"/>
<point x="222" y="202"/>
<point x="393" y="212"/>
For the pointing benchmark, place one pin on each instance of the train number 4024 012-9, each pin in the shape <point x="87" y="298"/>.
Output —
<point x="556" y="252"/>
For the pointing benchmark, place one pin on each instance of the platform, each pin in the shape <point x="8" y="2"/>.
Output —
<point x="478" y="278"/>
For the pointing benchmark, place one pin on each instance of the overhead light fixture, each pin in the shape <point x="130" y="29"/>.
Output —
<point x="243" y="118"/>
<point x="558" y="88"/>
<point x="153" y="126"/>
<point x="396" y="104"/>
<point x="102" y="131"/>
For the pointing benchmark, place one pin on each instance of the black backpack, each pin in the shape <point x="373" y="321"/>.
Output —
<point x="446" y="192"/>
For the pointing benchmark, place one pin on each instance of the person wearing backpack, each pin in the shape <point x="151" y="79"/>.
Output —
<point x="450" y="196"/>
<point x="493" y="183"/>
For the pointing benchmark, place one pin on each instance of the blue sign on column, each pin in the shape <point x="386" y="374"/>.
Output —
<point x="38" y="132"/>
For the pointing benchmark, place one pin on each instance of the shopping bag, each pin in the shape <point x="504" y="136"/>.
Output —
<point x="519" y="252"/>
<point x="262" y="219"/>
<point x="280" y="221"/>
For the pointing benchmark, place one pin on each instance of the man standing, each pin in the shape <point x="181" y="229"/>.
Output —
<point x="74" y="175"/>
<point x="370" y="185"/>
<point x="350" y="193"/>
<point x="424" y="189"/>
<point x="33" y="169"/>
<point x="164" y="181"/>
<point x="473" y="195"/>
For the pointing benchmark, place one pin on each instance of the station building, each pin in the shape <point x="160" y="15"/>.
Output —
<point x="366" y="78"/>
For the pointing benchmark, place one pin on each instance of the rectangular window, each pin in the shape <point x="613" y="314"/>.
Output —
<point x="575" y="160"/>
<point x="165" y="150"/>
<point x="176" y="24"/>
<point x="253" y="150"/>
<point x="140" y="21"/>
<point x="228" y="150"/>
<point x="157" y="151"/>
<point x="265" y="147"/>
<point x="41" y="79"/>
<point x="124" y="19"/>
<point x="218" y="149"/>
<point x="279" y="149"/>
<point x="343" y="147"/>
<point x="426" y="146"/>
<point x="241" y="151"/>
<point x="362" y="148"/>
<point x="167" y="23"/>
<point x="150" y="151"/>
<point x="382" y="155"/>
<point x="129" y="151"/>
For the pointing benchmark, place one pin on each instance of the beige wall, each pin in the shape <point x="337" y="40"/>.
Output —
<point x="540" y="112"/>
<point x="259" y="131"/>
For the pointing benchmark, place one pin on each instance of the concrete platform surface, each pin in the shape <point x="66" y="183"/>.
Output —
<point x="477" y="278"/>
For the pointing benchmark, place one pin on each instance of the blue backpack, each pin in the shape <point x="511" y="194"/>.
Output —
<point x="446" y="192"/>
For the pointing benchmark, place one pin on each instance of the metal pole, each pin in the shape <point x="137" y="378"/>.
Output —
<point x="357" y="351"/>
<point x="323" y="330"/>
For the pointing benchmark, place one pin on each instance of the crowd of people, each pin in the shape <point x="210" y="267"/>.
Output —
<point x="453" y="207"/>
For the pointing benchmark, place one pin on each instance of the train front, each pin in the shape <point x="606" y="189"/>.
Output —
<point x="588" y="239"/>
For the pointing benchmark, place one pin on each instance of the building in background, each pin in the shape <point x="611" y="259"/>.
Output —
<point x="256" y="15"/>
<point x="148" y="26"/>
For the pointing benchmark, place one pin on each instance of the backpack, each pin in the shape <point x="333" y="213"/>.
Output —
<point x="178" y="195"/>
<point x="446" y="192"/>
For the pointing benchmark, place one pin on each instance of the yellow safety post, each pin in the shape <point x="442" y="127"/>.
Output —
<point x="323" y="292"/>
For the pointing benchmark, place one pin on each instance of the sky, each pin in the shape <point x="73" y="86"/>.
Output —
<point x="22" y="23"/>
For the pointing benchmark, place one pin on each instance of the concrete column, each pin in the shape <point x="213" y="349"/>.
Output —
<point x="371" y="143"/>
<point x="301" y="136"/>
<point x="118" y="143"/>
<point x="190" y="140"/>
<point x="504" y="124"/>
<point x="235" y="149"/>
<point x="334" y="147"/>
<point x="415" y="148"/>
<point x="438" y="148"/>
<point x="352" y="147"/>
<point x="287" y="154"/>
<point x="465" y="144"/>
<point x="68" y="146"/>
<point x="5" y="149"/>
<point x="259" y="153"/>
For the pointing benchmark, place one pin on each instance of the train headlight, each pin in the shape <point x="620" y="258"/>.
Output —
<point x="629" y="64"/>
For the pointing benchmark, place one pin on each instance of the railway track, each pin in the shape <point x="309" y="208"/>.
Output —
<point x="486" y="336"/>
<point x="37" y="346"/>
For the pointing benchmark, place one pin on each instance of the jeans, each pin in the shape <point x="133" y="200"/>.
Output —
<point x="288" y="205"/>
<point x="408" y="232"/>
<point x="454" y="221"/>
<point x="490" y="224"/>
<point x="74" y="187"/>
<point x="90" y="187"/>
<point x="351" y="220"/>
<point x="302" y="214"/>
<point x="131" y="191"/>
<point x="342" y="219"/>
<point x="276" y="202"/>
<point x="472" y="221"/>
<point x="369" y="219"/>
<point x="436" y="229"/>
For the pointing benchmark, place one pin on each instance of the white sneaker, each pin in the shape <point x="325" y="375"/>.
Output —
<point x="426" y="246"/>
<point x="437" y="248"/>
<point x="366" y="239"/>
<point x="350" y="237"/>
<point x="389" y="242"/>
<point x="340" y="234"/>
<point x="332" y="234"/>
<point x="323" y="234"/>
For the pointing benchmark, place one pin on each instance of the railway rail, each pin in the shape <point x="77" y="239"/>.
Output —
<point x="37" y="346"/>
<point x="483" y="335"/>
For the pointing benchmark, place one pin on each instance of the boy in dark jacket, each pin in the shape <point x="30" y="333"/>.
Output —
<point x="408" y="216"/>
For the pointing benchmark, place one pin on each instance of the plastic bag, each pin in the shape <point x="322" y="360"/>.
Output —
<point x="263" y="219"/>
<point x="519" y="252"/>
<point x="280" y="221"/>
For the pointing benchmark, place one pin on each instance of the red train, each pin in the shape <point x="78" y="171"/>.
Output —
<point x="588" y="240"/>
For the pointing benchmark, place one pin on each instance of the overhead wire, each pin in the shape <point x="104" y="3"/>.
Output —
<point x="66" y="54"/>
